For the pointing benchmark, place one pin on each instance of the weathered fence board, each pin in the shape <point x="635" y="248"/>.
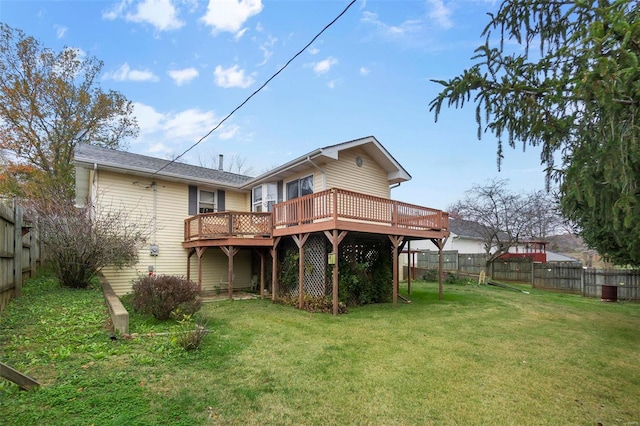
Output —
<point x="564" y="276"/>
<point x="19" y="251"/>
<point x="626" y="281"/>
<point x="452" y="261"/>
<point x="567" y="277"/>
<point x="513" y="269"/>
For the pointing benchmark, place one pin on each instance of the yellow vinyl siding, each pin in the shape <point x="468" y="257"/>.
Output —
<point x="369" y="179"/>
<point x="215" y="267"/>
<point x="236" y="201"/>
<point x="133" y="194"/>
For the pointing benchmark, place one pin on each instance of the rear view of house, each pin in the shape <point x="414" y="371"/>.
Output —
<point x="227" y="231"/>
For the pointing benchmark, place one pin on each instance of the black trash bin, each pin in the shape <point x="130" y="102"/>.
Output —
<point x="609" y="293"/>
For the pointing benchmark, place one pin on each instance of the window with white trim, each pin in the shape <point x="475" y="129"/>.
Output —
<point x="264" y="197"/>
<point x="207" y="201"/>
<point x="299" y="187"/>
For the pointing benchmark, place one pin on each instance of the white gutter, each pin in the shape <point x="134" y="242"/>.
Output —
<point x="324" y="174"/>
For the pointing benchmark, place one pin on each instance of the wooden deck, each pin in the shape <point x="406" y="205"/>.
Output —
<point x="322" y="211"/>
<point x="334" y="213"/>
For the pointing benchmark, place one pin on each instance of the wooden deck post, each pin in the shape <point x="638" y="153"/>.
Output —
<point x="335" y="239"/>
<point x="300" y="240"/>
<point x="409" y="256"/>
<point x="274" y="269"/>
<point x="396" y="241"/>
<point x="230" y="252"/>
<point x="440" y="244"/>
<point x="261" y="254"/>
<point x="200" y="252"/>
<point x="191" y="253"/>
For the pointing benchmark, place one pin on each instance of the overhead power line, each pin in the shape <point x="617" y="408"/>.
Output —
<point x="258" y="89"/>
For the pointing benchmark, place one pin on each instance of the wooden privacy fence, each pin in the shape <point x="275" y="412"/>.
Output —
<point x="627" y="283"/>
<point x="561" y="276"/>
<point x="452" y="261"/>
<point x="566" y="277"/>
<point x="20" y="251"/>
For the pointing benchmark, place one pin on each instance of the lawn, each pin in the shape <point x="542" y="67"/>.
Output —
<point x="482" y="355"/>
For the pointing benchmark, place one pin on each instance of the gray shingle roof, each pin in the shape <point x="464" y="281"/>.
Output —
<point x="142" y="164"/>
<point x="466" y="228"/>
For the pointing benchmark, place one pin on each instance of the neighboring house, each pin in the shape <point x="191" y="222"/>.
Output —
<point x="219" y="228"/>
<point x="466" y="238"/>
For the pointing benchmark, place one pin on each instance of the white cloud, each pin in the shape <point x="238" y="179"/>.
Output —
<point x="190" y="124"/>
<point x="440" y="13"/>
<point x="313" y="50"/>
<point x="60" y="31"/>
<point x="332" y="83"/>
<point x="266" y="49"/>
<point x="364" y="71"/>
<point x="230" y="15"/>
<point x="232" y="77"/>
<point x="162" y="14"/>
<point x="228" y="132"/>
<point x="324" y="66"/>
<point x="173" y="131"/>
<point x="407" y="27"/>
<point x="125" y="73"/>
<point x="239" y="34"/>
<point x="183" y="76"/>
<point x="149" y="119"/>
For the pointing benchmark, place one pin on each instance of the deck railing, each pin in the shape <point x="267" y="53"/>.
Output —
<point x="227" y="225"/>
<point x="342" y="204"/>
<point x="329" y="205"/>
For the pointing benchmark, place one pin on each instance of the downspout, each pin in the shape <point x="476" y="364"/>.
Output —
<point x="324" y="174"/>
<point x="395" y="185"/>
<point x="94" y="184"/>
<point x="155" y="221"/>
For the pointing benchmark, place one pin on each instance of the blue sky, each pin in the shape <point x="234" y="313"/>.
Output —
<point x="187" y="63"/>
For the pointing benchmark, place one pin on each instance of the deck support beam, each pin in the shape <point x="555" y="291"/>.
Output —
<point x="396" y="242"/>
<point x="440" y="242"/>
<point x="409" y="256"/>
<point x="274" y="270"/>
<point x="300" y="239"/>
<point x="200" y="252"/>
<point x="230" y="251"/>
<point x="261" y="254"/>
<point x="335" y="239"/>
<point x="191" y="252"/>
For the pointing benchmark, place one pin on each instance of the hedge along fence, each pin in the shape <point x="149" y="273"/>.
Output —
<point x="20" y="252"/>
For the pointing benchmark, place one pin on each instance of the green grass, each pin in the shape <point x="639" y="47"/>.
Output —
<point x="482" y="355"/>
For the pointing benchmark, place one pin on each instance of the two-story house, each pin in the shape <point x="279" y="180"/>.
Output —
<point x="222" y="229"/>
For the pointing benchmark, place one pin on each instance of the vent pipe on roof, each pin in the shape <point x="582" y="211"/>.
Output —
<point x="221" y="162"/>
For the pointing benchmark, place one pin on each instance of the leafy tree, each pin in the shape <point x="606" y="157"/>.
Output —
<point x="571" y="85"/>
<point x="79" y="242"/>
<point x="50" y="102"/>
<point x="504" y="219"/>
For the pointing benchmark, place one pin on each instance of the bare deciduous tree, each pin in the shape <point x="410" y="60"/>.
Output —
<point x="234" y="164"/>
<point x="80" y="241"/>
<point x="505" y="219"/>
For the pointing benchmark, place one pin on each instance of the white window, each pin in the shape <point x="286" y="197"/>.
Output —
<point x="207" y="202"/>
<point x="299" y="187"/>
<point x="264" y="197"/>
